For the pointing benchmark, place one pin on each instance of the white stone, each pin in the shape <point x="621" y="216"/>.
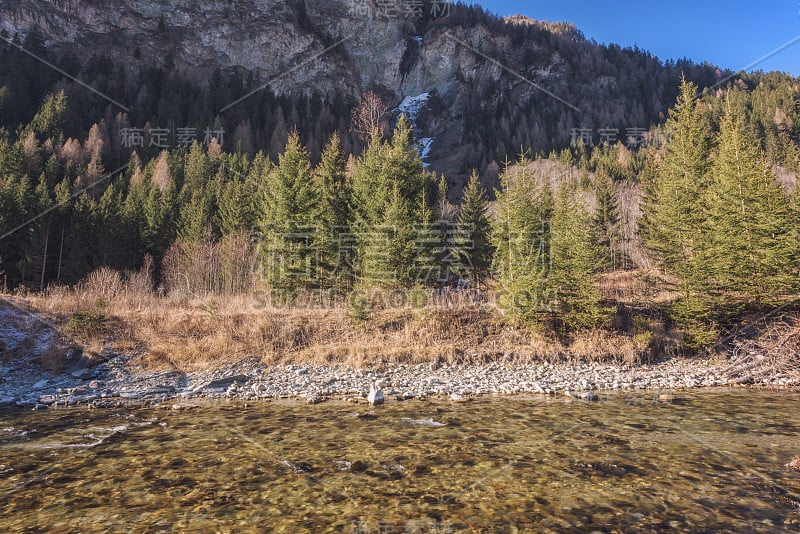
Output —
<point x="375" y="394"/>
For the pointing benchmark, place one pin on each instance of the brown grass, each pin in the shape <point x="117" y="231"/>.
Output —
<point x="189" y="333"/>
<point x="202" y="333"/>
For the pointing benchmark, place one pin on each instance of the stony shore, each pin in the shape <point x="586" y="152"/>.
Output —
<point x="114" y="383"/>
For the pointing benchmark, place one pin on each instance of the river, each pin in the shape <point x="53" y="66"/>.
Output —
<point x="707" y="460"/>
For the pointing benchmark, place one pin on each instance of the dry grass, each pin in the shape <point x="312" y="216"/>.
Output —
<point x="108" y="310"/>
<point x="210" y="332"/>
<point x="54" y="356"/>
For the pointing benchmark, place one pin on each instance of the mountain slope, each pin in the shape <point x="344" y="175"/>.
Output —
<point x="494" y="85"/>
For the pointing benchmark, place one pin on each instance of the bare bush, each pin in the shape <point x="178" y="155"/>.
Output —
<point x="103" y="283"/>
<point x="141" y="282"/>
<point x="198" y="268"/>
<point x="772" y="355"/>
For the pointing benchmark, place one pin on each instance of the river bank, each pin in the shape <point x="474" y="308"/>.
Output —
<point x="169" y="353"/>
<point x="115" y="383"/>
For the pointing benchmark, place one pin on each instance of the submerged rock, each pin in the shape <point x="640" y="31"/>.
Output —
<point x="665" y="397"/>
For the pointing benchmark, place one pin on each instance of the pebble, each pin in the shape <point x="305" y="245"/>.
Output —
<point x="115" y="383"/>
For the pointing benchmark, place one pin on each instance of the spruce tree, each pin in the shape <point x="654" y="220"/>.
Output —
<point x="606" y="218"/>
<point x="672" y="210"/>
<point x="388" y="181"/>
<point x="520" y="236"/>
<point x="289" y="208"/>
<point x="752" y="245"/>
<point x="471" y="249"/>
<point x="429" y="242"/>
<point x="194" y="221"/>
<point x="333" y="213"/>
<point x="574" y="259"/>
<point x="51" y="117"/>
<point x="197" y="171"/>
<point x="673" y="215"/>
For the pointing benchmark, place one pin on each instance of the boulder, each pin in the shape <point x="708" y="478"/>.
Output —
<point x="375" y="394"/>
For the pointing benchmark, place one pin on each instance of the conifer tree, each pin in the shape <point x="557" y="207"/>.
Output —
<point x="574" y="257"/>
<point x="471" y="248"/>
<point x="520" y="236"/>
<point x="753" y="251"/>
<point x="197" y="171"/>
<point x="238" y="204"/>
<point x="111" y="246"/>
<point x="673" y="215"/>
<point x="332" y="218"/>
<point x="672" y="211"/>
<point x="429" y="242"/>
<point x="388" y="180"/>
<point x="606" y="217"/>
<point x="194" y="221"/>
<point x="50" y="119"/>
<point x="290" y="204"/>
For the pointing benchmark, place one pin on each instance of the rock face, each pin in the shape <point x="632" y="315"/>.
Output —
<point x="266" y="37"/>
<point x="463" y="61"/>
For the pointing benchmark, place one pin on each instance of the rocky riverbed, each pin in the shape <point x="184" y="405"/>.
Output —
<point x="114" y="382"/>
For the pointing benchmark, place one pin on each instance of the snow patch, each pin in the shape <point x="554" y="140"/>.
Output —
<point x="412" y="105"/>
<point x="425" y="149"/>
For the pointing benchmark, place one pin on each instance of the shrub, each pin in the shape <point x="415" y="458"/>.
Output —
<point x="358" y="307"/>
<point x="89" y="322"/>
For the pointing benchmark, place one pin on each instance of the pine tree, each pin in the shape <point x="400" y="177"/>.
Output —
<point x="520" y="236"/>
<point x="574" y="257"/>
<point x="332" y="218"/>
<point x="290" y="205"/>
<point x="471" y="249"/>
<point x="753" y="250"/>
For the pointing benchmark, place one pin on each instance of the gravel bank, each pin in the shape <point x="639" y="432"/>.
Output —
<point x="114" y="384"/>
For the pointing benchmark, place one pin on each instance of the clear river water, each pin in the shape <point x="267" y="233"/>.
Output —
<point x="711" y="460"/>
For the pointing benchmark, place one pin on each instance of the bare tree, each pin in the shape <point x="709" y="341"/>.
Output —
<point x="370" y="117"/>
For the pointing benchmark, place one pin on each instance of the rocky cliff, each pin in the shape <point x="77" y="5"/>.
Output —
<point x="530" y="82"/>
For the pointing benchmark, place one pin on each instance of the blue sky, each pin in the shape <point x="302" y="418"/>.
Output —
<point x="730" y="34"/>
